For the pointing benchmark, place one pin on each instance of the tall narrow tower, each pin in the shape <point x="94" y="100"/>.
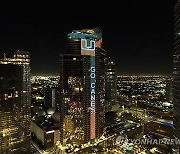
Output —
<point x="110" y="84"/>
<point x="82" y="87"/>
<point x="15" y="100"/>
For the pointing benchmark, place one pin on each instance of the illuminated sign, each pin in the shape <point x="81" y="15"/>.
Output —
<point x="87" y="47"/>
<point x="93" y="79"/>
<point x="93" y="97"/>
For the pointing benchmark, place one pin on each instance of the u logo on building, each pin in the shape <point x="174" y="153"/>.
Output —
<point x="87" y="47"/>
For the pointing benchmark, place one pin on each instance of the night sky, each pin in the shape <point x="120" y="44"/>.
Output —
<point x="137" y="34"/>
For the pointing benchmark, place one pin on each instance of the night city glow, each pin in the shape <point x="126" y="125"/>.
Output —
<point x="101" y="78"/>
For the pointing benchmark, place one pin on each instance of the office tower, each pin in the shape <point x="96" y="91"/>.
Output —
<point x="82" y="87"/>
<point x="15" y="99"/>
<point x="176" y="71"/>
<point x="50" y="96"/>
<point x="110" y="84"/>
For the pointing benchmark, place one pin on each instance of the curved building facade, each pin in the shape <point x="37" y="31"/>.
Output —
<point x="82" y="87"/>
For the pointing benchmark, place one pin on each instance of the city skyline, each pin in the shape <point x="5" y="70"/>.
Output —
<point x="90" y="77"/>
<point x="138" y="36"/>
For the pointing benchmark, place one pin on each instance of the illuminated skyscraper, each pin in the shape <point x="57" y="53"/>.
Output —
<point x="82" y="87"/>
<point x="15" y="99"/>
<point x="176" y="71"/>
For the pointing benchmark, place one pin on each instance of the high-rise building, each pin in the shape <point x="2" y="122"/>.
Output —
<point x="15" y="100"/>
<point x="110" y="84"/>
<point x="82" y="87"/>
<point x="50" y="96"/>
<point x="176" y="71"/>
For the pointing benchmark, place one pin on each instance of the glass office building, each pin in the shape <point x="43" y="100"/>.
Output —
<point x="82" y="87"/>
<point x="15" y="100"/>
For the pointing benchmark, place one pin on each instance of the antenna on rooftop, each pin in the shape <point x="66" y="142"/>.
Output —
<point x="4" y="55"/>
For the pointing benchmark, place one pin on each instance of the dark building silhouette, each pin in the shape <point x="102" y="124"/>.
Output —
<point x="110" y="84"/>
<point x="169" y="87"/>
<point x="176" y="71"/>
<point x="50" y="93"/>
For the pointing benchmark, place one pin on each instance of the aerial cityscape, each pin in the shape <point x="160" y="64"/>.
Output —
<point x="77" y="79"/>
